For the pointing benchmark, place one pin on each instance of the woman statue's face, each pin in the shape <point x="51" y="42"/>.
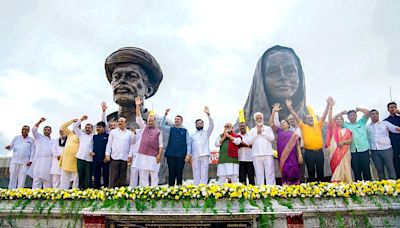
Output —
<point x="281" y="75"/>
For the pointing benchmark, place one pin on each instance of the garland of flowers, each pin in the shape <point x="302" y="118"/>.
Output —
<point x="204" y="192"/>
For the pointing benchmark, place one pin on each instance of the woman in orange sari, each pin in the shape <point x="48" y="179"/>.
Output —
<point x="338" y="140"/>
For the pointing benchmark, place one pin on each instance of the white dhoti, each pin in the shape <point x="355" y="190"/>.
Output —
<point x="147" y="166"/>
<point x="134" y="175"/>
<point x="66" y="179"/>
<point x="17" y="175"/>
<point x="55" y="172"/>
<point x="228" y="171"/>
<point x="264" y="169"/>
<point x="200" y="167"/>
<point x="41" y="172"/>
<point x="55" y="180"/>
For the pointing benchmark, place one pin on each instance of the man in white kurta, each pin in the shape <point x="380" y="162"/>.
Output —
<point x="262" y="137"/>
<point x="134" y="172"/>
<point x="58" y="147"/>
<point x="200" y="153"/>
<point x="148" y="158"/>
<point x="43" y="157"/>
<point x="85" y="153"/>
<point x="23" y="147"/>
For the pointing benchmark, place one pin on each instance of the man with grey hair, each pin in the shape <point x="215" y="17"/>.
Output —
<point x="23" y="147"/>
<point x="261" y="140"/>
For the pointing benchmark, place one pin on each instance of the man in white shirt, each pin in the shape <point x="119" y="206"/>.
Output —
<point x="85" y="153"/>
<point x="23" y="147"/>
<point x="200" y="153"/>
<point x="246" y="167"/>
<point x="263" y="157"/>
<point x="58" y="147"/>
<point x="380" y="145"/>
<point x="118" y="146"/>
<point x="43" y="157"/>
<point x="134" y="174"/>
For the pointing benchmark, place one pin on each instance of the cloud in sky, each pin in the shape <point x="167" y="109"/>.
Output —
<point x="53" y="53"/>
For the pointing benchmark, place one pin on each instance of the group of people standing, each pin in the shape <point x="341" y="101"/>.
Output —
<point x="82" y="157"/>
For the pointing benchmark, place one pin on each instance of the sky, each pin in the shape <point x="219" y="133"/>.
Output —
<point x="53" y="52"/>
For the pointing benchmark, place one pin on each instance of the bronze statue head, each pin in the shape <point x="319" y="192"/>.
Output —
<point x="132" y="72"/>
<point x="278" y="76"/>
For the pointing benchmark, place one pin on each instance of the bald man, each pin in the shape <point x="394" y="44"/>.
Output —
<point x="117" y="150"/>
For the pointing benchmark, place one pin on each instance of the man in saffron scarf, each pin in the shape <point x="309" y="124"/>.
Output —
<point x="288" y="145"/>
<point x="338" y="141"/>
<point x="228" y="163"/>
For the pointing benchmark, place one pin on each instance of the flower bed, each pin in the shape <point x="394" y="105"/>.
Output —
<point x="229" y="191"/>
<point x="368" y="203"/>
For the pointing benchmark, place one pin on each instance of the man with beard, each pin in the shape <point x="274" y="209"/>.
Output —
<point x="57" y="150"/>
<point x="85" y="153"/>
<point x="200" y="152"/>
<point x="148" y="158"/>
<point x="263" y="157"/>
<point x="394" y="118"/>
<point x="23" y="147"/>
<point x="228" y="163"/>
<point x="43" y="156"/>
<point x="177" y="149"/>
<point x="313" y="143"/>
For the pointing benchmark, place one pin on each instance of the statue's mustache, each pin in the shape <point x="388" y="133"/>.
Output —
<point x="124" y="88"/>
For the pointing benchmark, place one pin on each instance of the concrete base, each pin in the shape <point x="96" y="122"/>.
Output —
<point x="361" y="212"/>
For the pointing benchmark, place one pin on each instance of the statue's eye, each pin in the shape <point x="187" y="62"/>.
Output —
<point x="132" y="76"/>
<point x="290" y="70"/>
<point x="273" y="71"/>
<point x="117" y="76"/>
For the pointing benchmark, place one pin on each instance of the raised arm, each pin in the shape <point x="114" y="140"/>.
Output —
<point x="75" y="128"/>
<point x="65" y="126"/>
<point x="210" y="120"/>
<point x="344" y="112"/>
<point x="364" y="111"/>
<point x="104" y="116"/>
<point x="291" y="110"/>
<point x="329" y="101"/>
<point x="164" y="120"/>
<point x="35" y="132"/>
<point x="274" y="119"/>
<point x="139" y="119"/>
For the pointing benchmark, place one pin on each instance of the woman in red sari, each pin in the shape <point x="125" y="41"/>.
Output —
<point x="338" y="140"/>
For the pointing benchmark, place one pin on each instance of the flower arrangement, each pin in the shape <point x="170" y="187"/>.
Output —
<point x="203" y="192"/>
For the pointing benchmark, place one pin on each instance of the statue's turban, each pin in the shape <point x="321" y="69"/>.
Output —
<point x="136" y="56"/>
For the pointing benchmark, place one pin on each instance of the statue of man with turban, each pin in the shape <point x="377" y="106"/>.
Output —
<point x="132" y="72"/>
